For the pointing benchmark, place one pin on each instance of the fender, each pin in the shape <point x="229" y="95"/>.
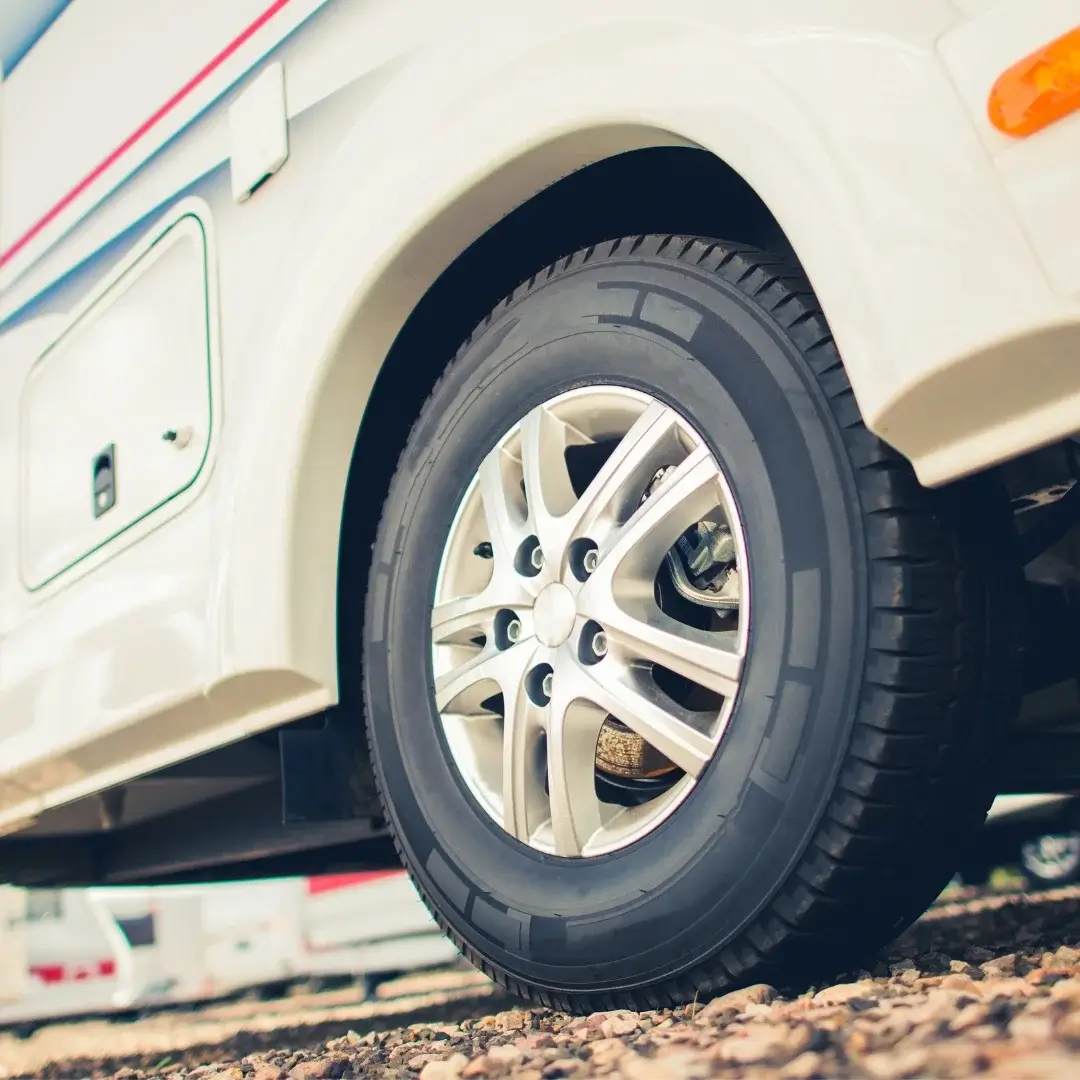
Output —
<point x="882" y="227"/>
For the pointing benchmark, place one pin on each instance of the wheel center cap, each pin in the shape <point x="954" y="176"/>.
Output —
<point x="553" y="614"/>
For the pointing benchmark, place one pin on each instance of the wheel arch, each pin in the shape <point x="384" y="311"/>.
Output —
<point x="360" y="297"/>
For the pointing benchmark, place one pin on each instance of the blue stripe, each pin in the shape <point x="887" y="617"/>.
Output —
<point x="22" y="23"/>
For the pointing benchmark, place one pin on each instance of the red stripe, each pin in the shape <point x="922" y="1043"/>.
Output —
<point x="329" y="882"/>
<point x="56" y="973"/>
<point x="142" y="129"/>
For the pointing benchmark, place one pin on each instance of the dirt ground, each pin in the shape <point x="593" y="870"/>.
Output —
<point x="988" y="987"/>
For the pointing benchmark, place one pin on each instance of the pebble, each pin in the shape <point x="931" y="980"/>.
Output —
<point x="843" y="993"/>
<point x="450" y="1069"/>
<point x="987" y="989"/>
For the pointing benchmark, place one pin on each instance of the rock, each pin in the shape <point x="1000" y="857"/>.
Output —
<point x="450" y="1069"/>
<point x="962" y="967"/>
<point x="606" y="1051"/>
<point x="975" y="954"/>
<point x="538" y="1040"/>
<point x="902" y="966"/>
<point x="808" y="1066"/>
<point x="1003" y="965"/>
<point x="620" y="1023"/>
<point x="887" y="1065"/>
<point x="350" y="1039"/>
<point x="934" y="963"/>
<point x="842" y="993"/>
<point x="1068" y="991"/>
<point x="1014" y="988"/>
<point x="969" y="1017"/>
<point x="885" y="1033"/>
<point x="737" y="1000"/>
<point x="478" y="1067"/>
<point x="635" y="1067"/>
<point x="327" y="1068"/>
<point x="957" y="981"/>
<point x="416" y="1062"/>
<point x="1068" y="1029"/>
<point x="564" y="1067"/>
<point x="1027" y="1026"/>
<point x="754" y="1011"/>
<point x="1063" y="958"/>
<point x="265" y="1071"/>
<point x="235" y="1073"/>
<point x="508" y="1054"/>
<point x="767" y="1045"/>
<point x="957" y="1061"/>
<point x="1035" y="1064"/>
<point x="515" y="1020"/>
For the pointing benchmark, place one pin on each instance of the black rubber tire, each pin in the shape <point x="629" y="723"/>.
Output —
<point x="879" y="669"/>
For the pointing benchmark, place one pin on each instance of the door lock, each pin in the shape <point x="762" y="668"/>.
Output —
<point x="179" y="437"/>
<point x="105" y="480"/>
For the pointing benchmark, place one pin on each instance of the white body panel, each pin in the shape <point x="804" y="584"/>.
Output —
<point x="946" y="260"/>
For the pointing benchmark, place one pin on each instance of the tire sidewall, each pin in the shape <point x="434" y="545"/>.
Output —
<point x="683" y="892"/>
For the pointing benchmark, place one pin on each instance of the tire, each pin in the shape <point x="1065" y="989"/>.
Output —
<point x="879" y="668"/>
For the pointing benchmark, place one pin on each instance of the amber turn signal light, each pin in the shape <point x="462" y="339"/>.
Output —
<point x="1039" y="89"/>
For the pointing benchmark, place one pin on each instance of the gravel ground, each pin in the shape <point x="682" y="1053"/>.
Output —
<point x="988" y="987"/>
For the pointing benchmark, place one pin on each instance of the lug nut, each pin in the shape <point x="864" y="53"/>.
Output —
<point x="537" y="558"/>
<point x="546" y="685"/>
<point x="590" y="560"/>
<point x="513" y="630"/>
<point x="599" y="643"/>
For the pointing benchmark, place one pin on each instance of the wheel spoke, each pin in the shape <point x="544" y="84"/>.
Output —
<point x="544" y="439"/>
<point x="503" y="504"/>
<point x="710" y="659"/>
<point x="573" y="729"/>
<point x="643" y="709"/>
<point x="523" y="795"/>
<point x="452" y="618"/>
<point x="685" y="496"/>
<point x="489" y="672"/>
<point x="616" y="489"/>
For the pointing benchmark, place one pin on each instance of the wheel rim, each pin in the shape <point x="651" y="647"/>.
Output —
<point x="590" y="621"/>
<point x="1052" y="857"/>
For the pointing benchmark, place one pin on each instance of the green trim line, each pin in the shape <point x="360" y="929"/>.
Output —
<point x="132" y="270"/>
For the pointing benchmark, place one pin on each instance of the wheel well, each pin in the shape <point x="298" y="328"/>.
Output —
<point x="675" y="189"/>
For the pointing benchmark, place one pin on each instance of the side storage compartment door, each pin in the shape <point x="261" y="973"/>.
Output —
<point x="116" y="416"/>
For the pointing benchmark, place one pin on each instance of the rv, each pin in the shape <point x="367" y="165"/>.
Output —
<point x="616" y="460"/>
<point x="126" y="950"/>
<point x="74" y="959"/>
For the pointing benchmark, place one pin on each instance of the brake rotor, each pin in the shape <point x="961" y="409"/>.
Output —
<point x="622" y="752"/>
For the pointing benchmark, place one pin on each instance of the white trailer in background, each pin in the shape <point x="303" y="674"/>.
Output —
<point x="13" y="973"/>
<point x="373" y="924"/>
<point x="74" y="959"/>
<point x="68" y="952"/>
